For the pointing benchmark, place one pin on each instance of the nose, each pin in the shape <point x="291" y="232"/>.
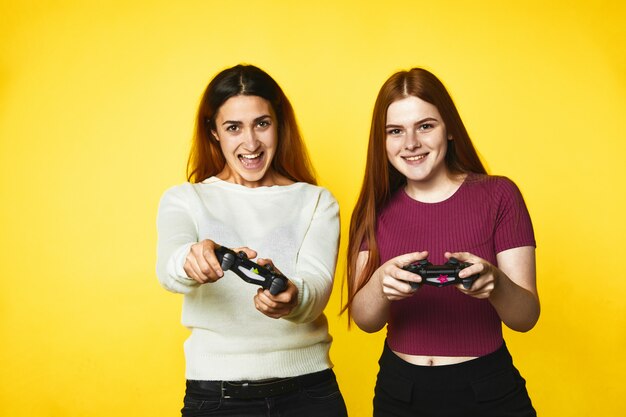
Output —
<point x="411" y="141"/>
<point x="250" y="141"/>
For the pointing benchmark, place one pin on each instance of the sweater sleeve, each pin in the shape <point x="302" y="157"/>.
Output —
<point x="316" y="260"/>
<point x="177" y="231"/>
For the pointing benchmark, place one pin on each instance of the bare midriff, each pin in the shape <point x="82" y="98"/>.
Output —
<point x="433" y="360"/>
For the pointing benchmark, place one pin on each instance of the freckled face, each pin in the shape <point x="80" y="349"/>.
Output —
<point x="416" y="141"/>
<point x="246" y="131"/>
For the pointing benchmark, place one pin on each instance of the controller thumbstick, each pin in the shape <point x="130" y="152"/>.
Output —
<point x="228" y="261"/>
<point x="277" y="286"/>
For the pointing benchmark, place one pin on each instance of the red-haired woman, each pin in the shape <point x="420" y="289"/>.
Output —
<point x="251" y="187"/>
<point x="426" y="195"/>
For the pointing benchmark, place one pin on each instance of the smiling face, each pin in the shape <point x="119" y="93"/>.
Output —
<point x="246" y="131"/>
<point x="416" y="142"/>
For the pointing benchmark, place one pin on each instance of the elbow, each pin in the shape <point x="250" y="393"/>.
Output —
<point x="368" y="328"/>
<point x="524" y="326"/>
<point x="368" y="325"/>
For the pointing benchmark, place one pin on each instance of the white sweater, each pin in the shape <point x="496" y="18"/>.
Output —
<point x="297" y="226"/>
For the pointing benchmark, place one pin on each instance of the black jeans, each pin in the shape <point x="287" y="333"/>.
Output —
<point x="486" y="386"/>
<point x="322" y="399"/>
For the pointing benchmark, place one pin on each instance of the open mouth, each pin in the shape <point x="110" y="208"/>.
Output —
<point x="251" y="161"/>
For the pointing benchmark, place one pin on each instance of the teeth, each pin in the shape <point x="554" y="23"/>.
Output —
<point x="253" y="156"/>
<point x="415" y="158"/>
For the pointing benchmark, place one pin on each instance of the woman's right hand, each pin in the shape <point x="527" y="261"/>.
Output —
<point x="395" y="281"/>
<point x="202" y="265"/>
<point x="370" y="307"/>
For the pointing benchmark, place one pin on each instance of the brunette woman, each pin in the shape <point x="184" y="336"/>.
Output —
<point x="251" y="188"/>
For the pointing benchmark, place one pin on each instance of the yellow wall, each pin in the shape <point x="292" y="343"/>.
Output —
<point x="96" y="113"/>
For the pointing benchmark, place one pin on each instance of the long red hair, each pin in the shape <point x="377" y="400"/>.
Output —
<point x="205" y="157"/>
<point x="382" y="180"/>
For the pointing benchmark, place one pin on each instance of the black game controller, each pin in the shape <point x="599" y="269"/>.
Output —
<point x="265" y="276"/>
<point x="440" y="275"/>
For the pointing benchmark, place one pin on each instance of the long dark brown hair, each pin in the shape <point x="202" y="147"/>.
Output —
<point x="206" y="159"/>
<point x="382" y="180"/>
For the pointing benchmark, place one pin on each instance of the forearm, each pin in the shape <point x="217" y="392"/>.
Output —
<point x="517" y="307"/>
<point x="176" y="233"/>
<point x="316" y="260"/>
<point x="170" y="270"/>
<point x="370" y="307"/>
<point x="313" y="295"/>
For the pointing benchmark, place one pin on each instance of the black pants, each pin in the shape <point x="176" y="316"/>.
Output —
<point x="486" y="386"/>
<point x="321" y="398"/>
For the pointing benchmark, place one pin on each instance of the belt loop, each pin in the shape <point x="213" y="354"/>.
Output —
<point x="223" y="390"/>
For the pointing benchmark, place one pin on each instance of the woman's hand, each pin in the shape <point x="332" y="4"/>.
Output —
<point x="370" y="307"/>
<point x="202" y="265"/>
<point x="511" y="287"/>
<point x="279" y="305"/>
<point x="395" y="281"/>
<point x="484" y="285"/>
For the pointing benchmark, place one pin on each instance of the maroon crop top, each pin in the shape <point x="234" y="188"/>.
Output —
<point x="485" y="216"/>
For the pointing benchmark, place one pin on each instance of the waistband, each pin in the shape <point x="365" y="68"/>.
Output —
<point x="455" y="374"/>
<point x="260" y="389"/>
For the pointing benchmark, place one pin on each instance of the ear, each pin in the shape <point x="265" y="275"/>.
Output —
<point x="450" y="137"/>
<point x="214" y="134"/>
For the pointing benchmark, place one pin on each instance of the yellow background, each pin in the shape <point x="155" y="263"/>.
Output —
<point x="97" y="101"/>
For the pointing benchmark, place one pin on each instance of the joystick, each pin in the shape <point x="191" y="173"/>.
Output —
<point x="265" y="276"/>
<point x="440" y="275"/>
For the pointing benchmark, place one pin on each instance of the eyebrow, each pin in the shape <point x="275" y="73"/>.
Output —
<point x="427" y="119"/>
<point x="239" y="122"/>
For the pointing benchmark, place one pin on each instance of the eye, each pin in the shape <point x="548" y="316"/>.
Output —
<point x="425" y="126"/>
<point x="264" y="123"/>
<point x="232" y="128"/>
<point x="394" y="131"/>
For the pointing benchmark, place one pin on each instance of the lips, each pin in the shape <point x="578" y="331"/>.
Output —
<point x="415" y="158"/>
<point x="252" y="161"/>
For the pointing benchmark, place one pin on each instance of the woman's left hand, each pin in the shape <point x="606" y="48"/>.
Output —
<point x="484" y="285"/>
<point x="279" y="305"/>
<point x="510" y="287"/>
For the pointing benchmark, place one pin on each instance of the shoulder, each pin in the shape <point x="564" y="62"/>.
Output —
<point x="315" y="192"/>
<point x="495" y="185"/>
<point x="177" y="192"/>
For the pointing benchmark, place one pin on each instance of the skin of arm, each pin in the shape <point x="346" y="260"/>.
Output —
<point x="370" y="307"/>
<point x="511" y="287"/>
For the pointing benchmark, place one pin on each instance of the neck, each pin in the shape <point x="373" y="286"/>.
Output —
<point x="269" y="179"/>
<point x="436" y="190"/>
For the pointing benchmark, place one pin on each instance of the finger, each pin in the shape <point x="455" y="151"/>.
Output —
<point x="409" y="258"/>
<point x="251" y="254"/>
<point x="199" y="263"/>
<point x="395" y="286"/>
<point x="461" y="256"/>
<point x="479" y="289"/>
<point x="264" y="297"/>
<point x="408" y="276"/>
<point x="393" y="295"/>
<point x="209" y="263"/>
<point x="474" y="269"/>
<point x="264" y="262"/>
<point x="193" y="271"/>
<point x="268" y="310"/>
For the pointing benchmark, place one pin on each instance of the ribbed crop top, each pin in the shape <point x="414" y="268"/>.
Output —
<point x="485" y="216"/>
